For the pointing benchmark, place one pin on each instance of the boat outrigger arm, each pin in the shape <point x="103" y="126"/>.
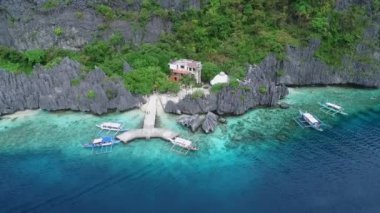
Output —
<point x="307" y="120"/>
<point x="107" y="127"/>
<point x="101" y="145"/>
<point x="184" y="145"/>
<point x="331" y="108"/>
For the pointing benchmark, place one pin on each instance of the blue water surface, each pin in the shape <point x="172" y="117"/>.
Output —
<point x="259" y="162"/>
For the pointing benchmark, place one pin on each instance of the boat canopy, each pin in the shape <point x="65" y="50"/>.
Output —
<point x="310" y="117"/>
<point x="182" y="142"/>
<point x="333" y="106"/>
<point x="98" y="140"/>
<point x="111" y="125"/>
<point x="106" y="139"/>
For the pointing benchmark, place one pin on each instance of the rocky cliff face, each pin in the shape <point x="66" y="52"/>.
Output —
<point x="29" y="24"/>
<point x="301" y="68"/>
<point x="64" y="87"/>
<point x="258" y="89"/>
<point x="32" y="24"/>
<point x="362" y="68"/>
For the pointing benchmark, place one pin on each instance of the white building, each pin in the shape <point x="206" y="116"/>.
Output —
<point x="182" y="67"/>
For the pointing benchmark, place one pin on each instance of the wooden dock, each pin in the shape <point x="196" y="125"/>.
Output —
<point x="148" y="131"/>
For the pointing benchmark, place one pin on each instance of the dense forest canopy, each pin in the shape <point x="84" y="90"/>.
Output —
<point x="224" y="34"/>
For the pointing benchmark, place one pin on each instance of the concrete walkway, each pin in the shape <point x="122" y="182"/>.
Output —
<point x="150" y="113"/>
<point x="147" y="134"/>
<point x="148" y="131"/>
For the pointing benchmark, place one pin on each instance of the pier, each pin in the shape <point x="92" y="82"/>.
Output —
<point x="148" y="131"/>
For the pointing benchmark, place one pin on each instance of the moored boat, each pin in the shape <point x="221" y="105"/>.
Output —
<point x="111" y="126"/>
<point x="183" y="143"/>
<point x="332" y="108"/>
<point x="99" y="142"/>
<point x="311" y="120"/>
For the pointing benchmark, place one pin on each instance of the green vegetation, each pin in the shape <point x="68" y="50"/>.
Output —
<point x="280" y="73"/>
<point x="105" y="11"/>
<point x="263" y="90"/>
<point x="209" y="70"/>
<point x="339" y="34"/>
<point x="58" y="31"/>
<point x="16" y="61"/>
<point x="50" y="4"/>
<point x="231" y="33"/>
<point x="225" y="35"/>
<point x="79" y="15"/>
<point x="91" y="94"/>
<point x="188" y="80"/>
<point x="76" y="82"/>
<point x="34" y="56"/>
<point x="197" y="94"/>
<point x="217" y="88"/>
<point x="149" y="79"/>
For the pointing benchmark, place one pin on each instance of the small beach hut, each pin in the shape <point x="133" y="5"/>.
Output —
<point x="221" y="78"/>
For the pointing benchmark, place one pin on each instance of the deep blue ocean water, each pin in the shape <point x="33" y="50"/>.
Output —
<point x="259" y="162"/>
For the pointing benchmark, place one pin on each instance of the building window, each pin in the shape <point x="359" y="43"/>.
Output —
<point x="182" y="67"/>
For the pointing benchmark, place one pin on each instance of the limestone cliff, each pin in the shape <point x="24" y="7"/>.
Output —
<point x="64" y="87"/>
<point x="31" y="24"/>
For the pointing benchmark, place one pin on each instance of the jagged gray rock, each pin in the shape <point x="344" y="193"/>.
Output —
<point x="64" y="87"/>
<point x="210" y="122"/>
<point x="301" y="68"/>
<point x="126" y="67"/>
<point x="33" y="25"/>
<point x="284" y="105"/>
<point x="191" y="121"/>
<point x="259" y="88"/>
<point x="190" y="105"/>
<point x="171" y="107"/>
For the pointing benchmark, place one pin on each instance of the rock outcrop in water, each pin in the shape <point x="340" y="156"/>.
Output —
<point x="64" y="87"/>
<point x="208" y="122"/>
<point x="191" y="121"/>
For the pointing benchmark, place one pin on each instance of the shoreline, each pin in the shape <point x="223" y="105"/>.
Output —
<point x="21" y="114"/>
<point x="163" y="99"/>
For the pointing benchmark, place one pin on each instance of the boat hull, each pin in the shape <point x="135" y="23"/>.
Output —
<point x="92" y="145"/>
<point x="312" y="125"/>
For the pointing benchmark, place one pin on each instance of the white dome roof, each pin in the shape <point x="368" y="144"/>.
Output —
<point x="221" y="78"/>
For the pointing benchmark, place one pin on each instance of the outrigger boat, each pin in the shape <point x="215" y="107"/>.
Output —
<point x="331" y="108"/>
<point x="185" y="145"/>
<point x="101" y="145"/>
<point x="107" y="127"/>
<point x="111" y="126"/>
<point x="308" y="120"/>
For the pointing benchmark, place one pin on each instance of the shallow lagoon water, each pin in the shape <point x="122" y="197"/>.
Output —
<point x="261" y="161"/>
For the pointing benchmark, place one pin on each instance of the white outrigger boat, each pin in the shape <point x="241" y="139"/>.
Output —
<point x="306" y="120"/>
<point x="110" y="126"/>
<point x="331" y="108"/>
<point x="185" y="145"/>
<point x="107" y="127"/>
<point x="102" y="145"/>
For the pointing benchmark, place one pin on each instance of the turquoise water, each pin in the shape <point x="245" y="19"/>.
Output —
<point x="259" y="162"/>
